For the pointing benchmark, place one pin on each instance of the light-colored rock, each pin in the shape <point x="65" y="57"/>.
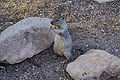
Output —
<point x="92" y="64"/>
<point x="102" y="1"/>
<point x="25" y="39"/>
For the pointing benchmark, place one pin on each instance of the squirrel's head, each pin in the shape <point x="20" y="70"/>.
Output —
<point x="58" y="23"/>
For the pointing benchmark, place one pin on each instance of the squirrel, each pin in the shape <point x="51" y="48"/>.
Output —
<point x="62" y="41"/>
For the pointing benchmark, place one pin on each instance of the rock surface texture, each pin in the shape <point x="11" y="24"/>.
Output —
<point x="102" y="1"/>
<point x="92" y="64"/>
<point x="25" y="39"/>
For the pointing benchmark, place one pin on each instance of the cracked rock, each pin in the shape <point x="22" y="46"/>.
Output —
<point x="24" y="39"/>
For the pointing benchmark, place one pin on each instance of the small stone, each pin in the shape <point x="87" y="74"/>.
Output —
<point x="117" y="50"/>
<point x="9" y="23"/>
<point x="54" y="56"/>
<point x="2" y="68"/>
<point x="102" y="1"/>
<point x="61" y="78"/>
<point x="57" y="68"/>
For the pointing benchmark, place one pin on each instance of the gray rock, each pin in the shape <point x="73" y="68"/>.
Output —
<point x="92" y="64"/>
<point x="24" y="39"/>
<point x="103" y="1"/>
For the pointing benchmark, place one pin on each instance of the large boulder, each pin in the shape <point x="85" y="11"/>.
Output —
<point x="24" y="39"/>
<point x="92" y="64"/>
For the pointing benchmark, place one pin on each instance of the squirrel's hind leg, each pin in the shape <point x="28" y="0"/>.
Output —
<point x="68" y="55"/>
<point x="57" y="51"/>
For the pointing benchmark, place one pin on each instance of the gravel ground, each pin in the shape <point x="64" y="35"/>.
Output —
<point x="91" y="25"/>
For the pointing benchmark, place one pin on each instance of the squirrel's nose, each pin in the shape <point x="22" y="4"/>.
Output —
<point x="52" y="22"/>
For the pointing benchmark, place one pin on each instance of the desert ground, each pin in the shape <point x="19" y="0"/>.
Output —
<point x="92" y="26"/>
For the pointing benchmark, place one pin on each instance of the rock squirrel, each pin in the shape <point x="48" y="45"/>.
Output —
<point x="62" y="41"/>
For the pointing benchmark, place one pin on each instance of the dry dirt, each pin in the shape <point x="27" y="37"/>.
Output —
<point x="91" y="25"/>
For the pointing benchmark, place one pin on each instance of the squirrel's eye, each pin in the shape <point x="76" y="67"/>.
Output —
<point x="57" y="20"/>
